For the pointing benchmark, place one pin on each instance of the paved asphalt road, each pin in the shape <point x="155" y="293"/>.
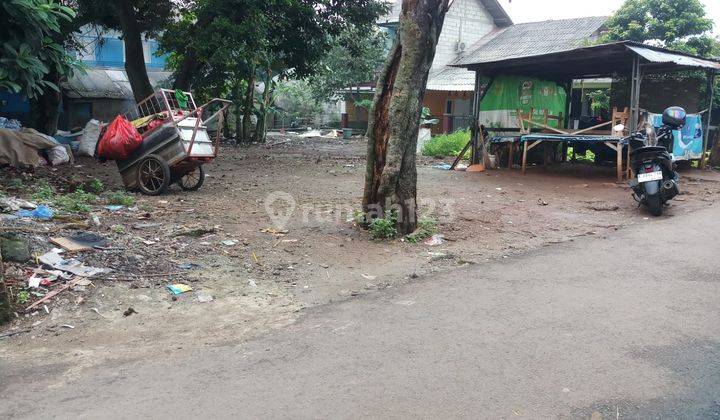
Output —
<point x="621" y="327"/>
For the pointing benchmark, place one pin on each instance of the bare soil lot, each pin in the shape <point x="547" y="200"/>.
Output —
<point x="267" y="274"/>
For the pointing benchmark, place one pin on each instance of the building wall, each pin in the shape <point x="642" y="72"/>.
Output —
<point x="108" y="50"/>
<point x="467" y="21"/>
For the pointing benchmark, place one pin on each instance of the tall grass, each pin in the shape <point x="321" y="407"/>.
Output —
<point x="446" y="144"/>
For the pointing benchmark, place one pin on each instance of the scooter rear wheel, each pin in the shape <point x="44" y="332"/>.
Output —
<point x="654" y="205"/>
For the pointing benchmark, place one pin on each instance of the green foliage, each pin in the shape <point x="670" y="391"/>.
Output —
<point x="676" y="24"/>
<point x="353" y="58"/>
<point x="366" y="104"/>
<point x="427" y="227"/>
<point x="15" y="184"/>
<point x="44" y="192"/>
<point x="588" y="157"/>
<point x="29" y="49"/>
<point x="297" y="100"/>
<point x="447" y="144"/>
<point x="118" y="198"/>
<point x="384" y="228"/>
<point x="599" y="99"/>
<point x="76" y="202"/>
<point x="95" y="186"/>
<point x="22" y="297"/>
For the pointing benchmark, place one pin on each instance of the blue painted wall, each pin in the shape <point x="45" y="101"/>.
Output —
<point x="110" y="52"/>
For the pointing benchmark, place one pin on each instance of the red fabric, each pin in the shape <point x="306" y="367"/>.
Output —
<point x="155" y="123"/>
<point x="120" y="139"/>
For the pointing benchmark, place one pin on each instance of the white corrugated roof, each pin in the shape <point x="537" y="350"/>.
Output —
<point x="107" y="83"/>
<point x="656" y="56"/>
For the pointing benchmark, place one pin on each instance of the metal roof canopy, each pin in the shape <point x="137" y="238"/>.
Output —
<point x="596" y="61"/>
<point x="626" y="57"/>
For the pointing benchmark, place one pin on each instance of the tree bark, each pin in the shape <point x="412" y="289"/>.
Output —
<point x="134" y="56"/>
<point x="391" y="175"/>
<point x="5" y="310"/>
<point x="248" y="107"/>
<point x="188" y="67"/>
<point x="261" y="126"/>
<point x="45" y="110"/>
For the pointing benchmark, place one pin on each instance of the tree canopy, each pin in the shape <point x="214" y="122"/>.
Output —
<point x="676" y="24"/>
<point x="30" y="49"/>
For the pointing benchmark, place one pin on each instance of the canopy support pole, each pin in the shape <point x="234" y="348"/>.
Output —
<point x="635" y="82"/>
<point x="711" y="95"/>
<point x="475" y="128"/>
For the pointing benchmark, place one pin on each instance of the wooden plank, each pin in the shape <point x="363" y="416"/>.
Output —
<point x="535" y="143"/>
<point x="511" y="153"/>
<point x="524" y="156"/>
<point x="547" y="127"/>
<point x="68" y="244"/>
<point x="460" y="156"/>
<point x="54" y="293"/>
<point x="595" y="127"/>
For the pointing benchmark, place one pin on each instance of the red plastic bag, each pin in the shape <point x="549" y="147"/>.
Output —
<point x="120" y="139"/>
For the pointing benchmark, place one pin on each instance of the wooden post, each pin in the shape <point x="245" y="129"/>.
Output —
<point x="706" y="139"/>
<point x="524" y="157"/>
<point x="511" y="153"/>
<point x="618" y="151"/>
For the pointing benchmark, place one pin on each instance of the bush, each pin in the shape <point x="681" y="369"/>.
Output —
<point x="384" y="228"/>
<point x="119" y="198"/>
<point x="44" y="192"/>
<point x="426" y="228"/>
<point x="76" y="202"/>
<point x="447" y="144"/>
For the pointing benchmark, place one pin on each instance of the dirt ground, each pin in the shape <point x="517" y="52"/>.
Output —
<point x="273" y="270"/>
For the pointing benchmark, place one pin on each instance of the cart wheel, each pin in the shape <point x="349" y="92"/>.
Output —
<point x="192" y="181"/>
<point x="153" y="175"/>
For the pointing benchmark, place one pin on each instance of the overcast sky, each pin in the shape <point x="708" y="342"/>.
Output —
<point x="535" y="10"/>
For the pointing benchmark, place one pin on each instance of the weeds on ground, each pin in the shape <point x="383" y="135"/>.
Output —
<point x="118" y="198"/>
<point x="22" y="297"/>
<point x="447" y="144"/>
<point x="44" y="192"/>
<point x="15" y="184"/>
<point x="95" y="186"/>
<point x="426" y="228"/>
<point x="76" y="202"/>
<point x="384" y="228"/>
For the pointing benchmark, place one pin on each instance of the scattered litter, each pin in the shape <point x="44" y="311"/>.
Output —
<point x="189" y="266"/>
<point x="145" y="225"/>
<point x="434" y="240"/>
<point x="42" y="212"/>
<point x="274" y="231"/>
<point x="129" y="311"/>
<point x="602" y="206"/>
<point x="149" y="242"/>
<point x="80" y="241"/>
<point x="70" y="327"/>
<point x="542" y="202"/>
<point x="195" y="232"/>
<point x="368" y="277"/>
<point x="443" y="166"/>
<point x="96" y="220"/>
<point x="252" y="283"/>
<point x="204" y="298"/>
<point x="179" y="288"/>
<point x="83" y="282"/>
<point x="114" y="208"/>
<point x="229" y="242"/>
<point x="498" y="188"/>
<point x="54" y="260"/>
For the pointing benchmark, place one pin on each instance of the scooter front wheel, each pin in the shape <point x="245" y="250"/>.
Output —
<point x="654" y="205"/>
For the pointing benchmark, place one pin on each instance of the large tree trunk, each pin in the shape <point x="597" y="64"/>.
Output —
<point x="45" y="110"/>
<point x="391" y="175"/>
<point x="261" y="126"/>
<point x="188" y="67"/>
<point x="5" y="310"/>
<point x="248" y="107"/>
<point x="134" y="56"/>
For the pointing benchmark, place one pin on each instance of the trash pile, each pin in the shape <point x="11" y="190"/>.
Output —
<point x="25" y="148"/>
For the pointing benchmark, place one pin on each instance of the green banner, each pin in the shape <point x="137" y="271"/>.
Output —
<point x="507" y="94"/>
